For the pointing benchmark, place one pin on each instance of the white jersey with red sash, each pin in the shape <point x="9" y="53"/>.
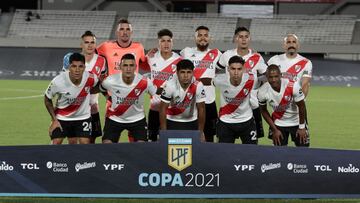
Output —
<point x="285" y="112"/>
<point x="97" y="66"/>
<point x="205" y="64"/>
<point x="161" y="71"/>
<point x="127" y="101"/>
<point x="293" y="69"/>
<point x="235" y="100"/>
<point x="73" y="102"/>
<point x="182" y="102"/>
<point x="254" y="62"/>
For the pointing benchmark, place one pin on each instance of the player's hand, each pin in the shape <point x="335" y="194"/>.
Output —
<point x="301" y="133"/>
<point x="54" y="124"/>
<point x="151" y="52"/>
<point x="277" y="137"/>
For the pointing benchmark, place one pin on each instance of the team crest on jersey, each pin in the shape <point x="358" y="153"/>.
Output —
<point x="189" y="95"/>
<point x="173" y="67"/>
<point x="246" y="91"/>
<point x="251" y="63"/>
<point x="287" y="98"/>
<point x="87" y="89"/>
<point x="297" y="68"/>
<point x="137" y="91"/>
<point x="97" y="69"/>
<point x="117" y="92"/>
<point x="211" y="56"/>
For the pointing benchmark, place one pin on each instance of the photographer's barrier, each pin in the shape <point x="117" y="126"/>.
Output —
<point x="178" y="166"/>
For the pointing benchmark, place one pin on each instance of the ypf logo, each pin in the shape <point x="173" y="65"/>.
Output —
<point x="179" y="153"/>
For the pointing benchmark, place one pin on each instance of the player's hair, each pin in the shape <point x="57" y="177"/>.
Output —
<point x="77" y="57"/>
<point x="185" y="64"/>
<point x="88" y="33"/>
<point x="273" y="67"/>
<point x="236" y="59"/>
<point x="128" y="57"/>
<point x="164" y="32"/>
<point x="123" y="20"/>
<point x="291" y="35"/>
<point x="202" y="27"/>
<point x="241" y="29"/>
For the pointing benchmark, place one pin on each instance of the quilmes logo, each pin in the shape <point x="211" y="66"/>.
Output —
<point x="86" y="165"/>
<point x="270" y="166"/>
<point x="179" y="153"/>
<point x="6" y="167"/>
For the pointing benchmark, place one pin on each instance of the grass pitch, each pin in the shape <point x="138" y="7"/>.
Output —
<point x="332" y="112"/>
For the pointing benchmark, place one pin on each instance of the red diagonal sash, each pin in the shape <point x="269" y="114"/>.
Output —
<point x="133" y="95"/>
<point x="230" y="108"/>
<point x="252" y="61"/>
<point x="297" y="67"/>
<point x="99" y="64"/>
<point x="79" y="99"/>
<point x="181" y="107"/>
<point x="285" y="100"/>
<point x="202" y="67"/>
<point x="168" y="69"/>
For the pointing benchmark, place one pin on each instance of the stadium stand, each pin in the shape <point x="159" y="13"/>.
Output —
<point x="321" y="29"/>
<point x="147" y="24"/>
<point x="61" y="23"/>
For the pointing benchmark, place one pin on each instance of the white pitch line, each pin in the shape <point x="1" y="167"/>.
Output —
<point x="17" y="98"/>
<point x="19" y="90"/>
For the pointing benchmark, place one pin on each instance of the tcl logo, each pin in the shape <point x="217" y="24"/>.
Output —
<point x="113" y="167"/>
<point x="29" y="166"/>
<point x="322" y="168"/>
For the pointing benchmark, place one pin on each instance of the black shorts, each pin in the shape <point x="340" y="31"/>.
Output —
<point x="228" y="132"/>
<point x="210" y="121"/>
<point x="113" y="129"/>
<point x="174" y="125"/>
<point x="153" y="125"/>
<point x="79" y="128"/>
<point x="286" y="131"/>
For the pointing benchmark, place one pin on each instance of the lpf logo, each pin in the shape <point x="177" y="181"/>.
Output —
<point x="179" y="153"/>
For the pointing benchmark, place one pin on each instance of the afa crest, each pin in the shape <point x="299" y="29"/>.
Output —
<point x="179" y="153"/>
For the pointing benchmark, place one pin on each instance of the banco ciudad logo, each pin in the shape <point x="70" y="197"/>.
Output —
<point x="179" y="153"/>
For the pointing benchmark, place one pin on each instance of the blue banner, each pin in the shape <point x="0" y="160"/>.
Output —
<point x="178" y="166"/>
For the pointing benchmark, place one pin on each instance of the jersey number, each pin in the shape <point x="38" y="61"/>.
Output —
<point x="86" y="126"/>
<point x="253" y="135"/>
